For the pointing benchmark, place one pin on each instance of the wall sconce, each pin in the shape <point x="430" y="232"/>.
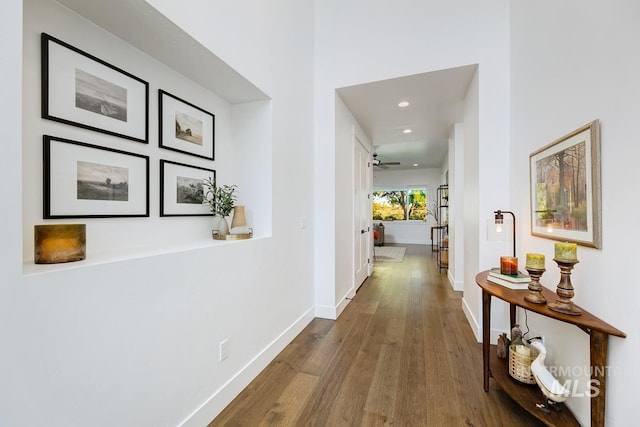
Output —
<point x="499" y="219"/>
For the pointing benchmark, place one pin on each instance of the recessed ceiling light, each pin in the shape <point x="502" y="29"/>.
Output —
<point x="403" y="104"/>
<point x="407" y="131"/>
<point x="415" y="165"/>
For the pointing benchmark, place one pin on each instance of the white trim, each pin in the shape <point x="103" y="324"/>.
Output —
<point x="326" y="312"/>
<point x="456" y="286"/>
<point x="402" y="221"/>
<point x="332" y="313"/>
<point x="401" y="187"/>
<point x="209" y="409"/>
<point x="355" y="143"/>
<point x="476" y="327"/>
<point x="345" y="302"/>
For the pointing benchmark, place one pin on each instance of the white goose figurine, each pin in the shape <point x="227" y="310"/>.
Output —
<point x="549" y="385"/>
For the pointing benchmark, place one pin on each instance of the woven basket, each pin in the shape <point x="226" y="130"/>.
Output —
<point x="520" y="364"/>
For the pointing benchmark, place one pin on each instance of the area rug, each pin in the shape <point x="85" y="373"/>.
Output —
<point x="388" y="253"/>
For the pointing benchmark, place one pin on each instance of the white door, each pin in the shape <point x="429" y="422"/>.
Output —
<point x="361" y="213"/>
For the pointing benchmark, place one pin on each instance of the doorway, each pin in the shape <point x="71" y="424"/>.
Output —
<point x="411" y="123"/>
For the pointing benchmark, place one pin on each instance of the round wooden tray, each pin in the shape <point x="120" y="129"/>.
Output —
<point x="243" y="236"/>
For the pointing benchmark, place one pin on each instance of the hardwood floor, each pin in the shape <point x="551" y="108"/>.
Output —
<point x="401" y="354"/>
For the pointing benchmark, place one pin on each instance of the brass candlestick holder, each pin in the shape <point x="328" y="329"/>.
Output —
<point x="564" y="289"/>
<point x="535" y="288"/>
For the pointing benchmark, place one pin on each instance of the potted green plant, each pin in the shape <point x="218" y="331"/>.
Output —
<point x="221" y="199"/>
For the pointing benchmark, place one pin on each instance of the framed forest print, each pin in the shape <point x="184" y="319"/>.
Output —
<point x="185" y="127"/>
<point x="181" y="189"/>
<point x="87" y="181"/>
<point x="82" y="90"/>
<point x="565" y="188"/>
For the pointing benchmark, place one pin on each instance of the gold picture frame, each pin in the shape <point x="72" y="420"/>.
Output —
<point x="565" y="188"/>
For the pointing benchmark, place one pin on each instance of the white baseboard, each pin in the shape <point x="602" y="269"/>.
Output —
<point x="326" y="312"/>
<point x="204" y="414"/>
<point x="332" y="313"/>
<point x="476" y="327"/>
<point x="344" y="302"/>
<point x="456" y="286"/>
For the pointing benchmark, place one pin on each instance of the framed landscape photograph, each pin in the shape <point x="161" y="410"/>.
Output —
<point x="181" y="189"/>
<point x="82" y="90"/>
<point x="87" y="181"/>
<point x="565" y="188"/>
<point x="185" y="127"/>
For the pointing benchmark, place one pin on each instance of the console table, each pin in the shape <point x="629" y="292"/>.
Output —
<point x="523" y="394"/>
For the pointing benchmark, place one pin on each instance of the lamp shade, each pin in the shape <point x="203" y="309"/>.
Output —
<point x="499" y="221"/>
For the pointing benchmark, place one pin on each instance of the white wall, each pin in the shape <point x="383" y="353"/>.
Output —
<point x="470" y="205"/>
<point x="409" y="232"/>
<point x="406" y="232"/>
<point x="251" y="130"/>
<point x="455" y="161"/>
<point x="10" y="161"/>
<point x="106" y="236"/>
<point x="134" y="340"/>
<point x="476" y="211"/>
<point x="573" y="62"/>
<point x="430" y="178"/>
<point x="11" y="225"/>
<point x="331" y="304"/>
<point x="418" y="37"/>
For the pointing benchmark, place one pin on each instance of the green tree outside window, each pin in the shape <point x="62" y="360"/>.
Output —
<point x="399" y="205"/>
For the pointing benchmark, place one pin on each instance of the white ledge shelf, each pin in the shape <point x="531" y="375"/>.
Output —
<point x="31" y="269"/>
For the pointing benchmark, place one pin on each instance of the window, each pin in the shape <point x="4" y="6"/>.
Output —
<point x="400" y="204"/>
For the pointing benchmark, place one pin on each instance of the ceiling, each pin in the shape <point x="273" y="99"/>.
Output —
<point x="436" y="98"/>
<point x="142" y="26"/>
<point x="436" y="104"/>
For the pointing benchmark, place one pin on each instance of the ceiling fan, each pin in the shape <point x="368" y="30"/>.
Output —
<point x="382" y="165"/>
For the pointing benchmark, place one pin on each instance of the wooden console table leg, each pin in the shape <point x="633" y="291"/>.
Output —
<point x="512" y="315"/>
<point x="599" y="343"/>
<point x="486" y="332"/>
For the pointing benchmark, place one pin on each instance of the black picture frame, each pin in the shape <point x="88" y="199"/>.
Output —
<point x="185" y="127"/>
<point x="181" y="189"/>
<point x="82" y="90"/>
<point x="82" y="180"/>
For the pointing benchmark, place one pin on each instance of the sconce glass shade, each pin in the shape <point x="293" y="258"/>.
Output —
<point x="499" y="221"/>
<point x="499" y="232"/>
<point x="498" y="217"/>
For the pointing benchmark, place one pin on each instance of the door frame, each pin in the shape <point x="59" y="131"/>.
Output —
<point x="356" y="142"/>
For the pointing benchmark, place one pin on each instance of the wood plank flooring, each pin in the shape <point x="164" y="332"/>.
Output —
<point x="401" y="353"/>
